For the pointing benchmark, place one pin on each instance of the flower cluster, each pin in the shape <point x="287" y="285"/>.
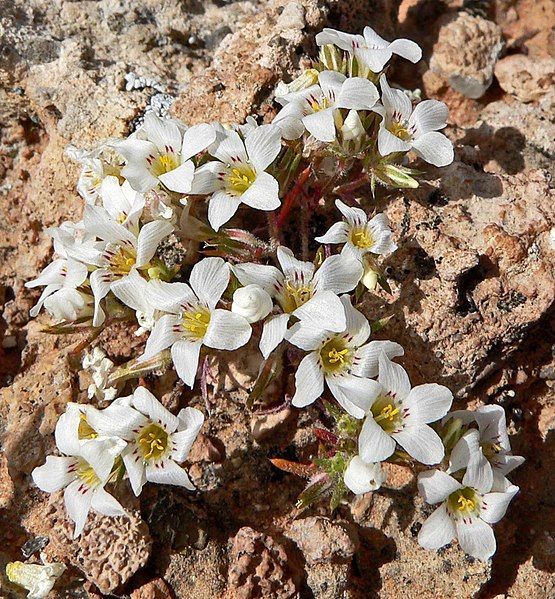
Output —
<point x="167" y="193"/>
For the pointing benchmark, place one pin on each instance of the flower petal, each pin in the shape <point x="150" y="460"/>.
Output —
<point x="429" y="115"/>
<point x="494" y="505"/>
<point x="273" y="333"/>
<point x="163" y="133"/>
<point x="374" y="444"/>
<point x="165" y="332"/>
<point x="191" y="421"/>
<point x="309" y="381"/>
<point x="116" y="420"/>
<point x="169" y="297"/>
<point x="230" y="149"/>
<point x="100" y="286"/>
<point x="349" y="407"/>
<point x="104" y="503"/>
<point x="337" y="233"/>
<point x="395" y="101"/>
<point x="389" y="143"/>
<point x="428" y="403"/>
<point x="66" y="432"/>
<point x="167" y="472"/>
<point x="305" y="337"/>
<point x="227" y="330"/>
<point x="361" y="477"/>
<point x="357" y="94"/>
<point x="321" y="124"/>
<point x="147" y="404"/>
<point x="438" y="530"/>
<point x="208" y="178"/>
<point x="434" y="148"/>
<point x="479" y="474"/>
<point x="221" y="207"/>
<point x="77" y="499"/>
<point x="263" y="194"/>
<point x="55" y="474"/>
<point x="98" y="222"/>
<point x="324" y="309"/>
<point x="263" y="145"/>
<point x="436" y="485"/>
<point x="366" y="358"/>
<point x="268" y="277"/>
<point x="407" y="49"/>
<point x="136" y="171"/>
<point x="466" y="446"/>
<point x="209" y="279"/>
<point x="132" y="291"/>
<point x="135" y="468"/>
<point x="357" y="324"/>
<point x="179" y="179"/>
<point x="393" y="377"/>
<point x="338" y="273"/>
<point x="185" y="356"/>
<point x="331" y="83"/>
<point x="359" y="391"/>
<point x="421" y="442"/>
<point x="293" y="268"/>
<point x="150" y="236"/>
<point x="196" y="139"/>
<point x="353" y="215"/>
<point x="476" y="538"/>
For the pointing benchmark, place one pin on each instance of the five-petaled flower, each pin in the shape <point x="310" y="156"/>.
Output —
<point x="370" y="49"/>
<point x="157" y="440"/>
<point x="401" y="415"/>
<point x="403" y="129"/>
<point x="315" y="108"/>
<point x="302" y="292"/>
<point x="193" y="319"/>
<point x="239" y="173"/>
<point x="343" y="360"/>
<point x="467" y="509"/>
<point x="360" y="234"/>
<point x="160" y="153"/>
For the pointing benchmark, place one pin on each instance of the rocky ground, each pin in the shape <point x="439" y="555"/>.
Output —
<point x="473" y="293"/>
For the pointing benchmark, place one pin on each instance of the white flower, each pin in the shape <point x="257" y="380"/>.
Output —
<point x="403" y="129"/>
<point x="38" y="580"/>
<point x="315" y="107"/>
<point x="193" y="318"/>
<point x="360" y="477"/>
<point x="161" y="152"/>
<point x="122" y="202"/>
<point x="360" y="234"/>
<point x="157" y="440"/>
<point x="82" y="472"/>
<point x="342" y="360"/>
<point x="124" y="250"/>
<point x="62" y="273"/>
<point x="467" y="509"/>
<point x="401" y="415"/>
<point x="239" y="173"/>
<point x="370" y="49"/>
<point x="301" y="292"/>
<point x="491" y="438"/>
<point x="252" y="302"/>
<point x="100" y="367"/>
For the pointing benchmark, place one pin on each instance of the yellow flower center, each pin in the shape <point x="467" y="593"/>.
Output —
<point x="295" y="296"/>
<point x="334" y="355"/>
<point x="153" y="442"/>
<point x="123" y="260"/>
<point x="164" y="163"/>
<point x="85" y="430"/>
<point x="463" y="501"/>
<point x="386" y="413"/>
<point x="240" y="178"/>
<point x="87" y="474"/>
<point x="491" y="449"/>
<point x="399" y="129"/>
<point x="316" y="105"/>
<point x="196" y="321"/>
<point x="361" y="238"/>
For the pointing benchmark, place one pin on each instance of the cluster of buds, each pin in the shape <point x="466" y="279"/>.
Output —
<point x="164" y="195"/>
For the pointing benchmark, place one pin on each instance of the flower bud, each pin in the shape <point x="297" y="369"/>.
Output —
<point x="252" y="303"/>
<point x="304" y="80"/>
<point x="68" y="304"/>
<point x="352" y="128"/>
<point x="370" y="276"/>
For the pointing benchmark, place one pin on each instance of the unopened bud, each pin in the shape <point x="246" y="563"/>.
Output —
<point x="252" y="303"/>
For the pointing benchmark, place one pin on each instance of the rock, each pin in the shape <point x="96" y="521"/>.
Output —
<point x="263" y="426"/>
<point x="155" y="589"/>
<point x="465" y="53"/>
<point x="525" y="77"/>
<point x="324" y="541"/>
<point x="259" y="567"/>
<point x="109" y="551"/>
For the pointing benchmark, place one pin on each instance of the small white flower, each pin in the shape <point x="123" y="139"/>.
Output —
<point x="83" y="471"/>
<point x="125" y="249"/>
<point x="370" y="49"/>
<point x="491" y="438"/>
<point x="193" y="318"/>
<point x="302" y="291"/>
<point x="361" y="477"/>
<point x="467" y="509"/>
<point x="35" y="578"/>
<point x="403" y="129"/>
<point x="252" y="302"/>
<point x="100" y="367"/>
<point x="401" y="415"/>
<point x="157" y="440"/>
<point x="239" y="173"/>
<point x="360" y="234"/>
<point x="160" y="152"/>
<point x="315" y="107"/>
<point x="343" y="360"/>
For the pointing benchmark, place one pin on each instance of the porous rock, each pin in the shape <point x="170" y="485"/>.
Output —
<point x="525" y="77"/>
<point x="465" y="53"/>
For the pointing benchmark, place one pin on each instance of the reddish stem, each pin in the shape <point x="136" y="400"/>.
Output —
<point x="291" y="197"/>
